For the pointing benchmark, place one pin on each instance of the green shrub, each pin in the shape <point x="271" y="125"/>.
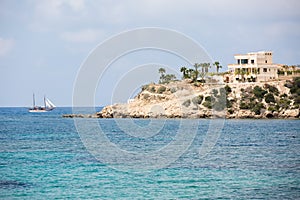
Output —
<point x="208" y="98"/>
<point x="297" y="100"/>
<point x="295" y="90"/>
<point x="244" y="105"/>
<point x="257" y="108"/>
<point x="208" y="101"/>
<point x="247" y="105"/>
<point x="280" y="72"/>
<point x="145" y="87"/>
<point x="297" y="81"/>
<point x="296" y="106"/>
<point x="269" y="98"/>
<point x="283" y="95"/>
<point x="288" y="84"/>
<point x="187" y="103"/>
<point x="173" y="90"/>
<point x="272" y="109"/>
<point x="228" y="89"/>
<point x="152" y="89"/>
<point x="229" y="103"/>
<point x="272" y="89"/>
<point x="167" y="78"/>
<point x="207" y="104"/>
<point x="259" y="92"/>
<point x="197" y="100"/>
<point x="230" y="111"/>
<point x="161" y="89"/>
<point x="284" y="103"/>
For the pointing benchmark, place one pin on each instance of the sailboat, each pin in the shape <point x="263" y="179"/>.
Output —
<point x="48" y="106"/>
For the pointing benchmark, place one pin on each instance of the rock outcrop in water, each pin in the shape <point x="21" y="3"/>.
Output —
<point x="182" y="99"/>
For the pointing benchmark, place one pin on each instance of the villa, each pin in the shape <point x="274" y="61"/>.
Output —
<point x="253" y="67"/>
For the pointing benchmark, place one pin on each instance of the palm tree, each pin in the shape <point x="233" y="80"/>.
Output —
<point x="196" y="74"/>
<point x="254" y="71"/>
<point x="204" y="67"/>
<point x="243" y="73"/>
<point x="294" y="69"/>
<point x="218" y="66"/>
<point x="285" y="67"/>
<point x="190" y="73"/>
<point x="184" y="72"/>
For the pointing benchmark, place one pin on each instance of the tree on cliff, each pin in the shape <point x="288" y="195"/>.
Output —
<point x="196" y="72"/>
<point x="204" y="71"/>
<point x="162" y="71"/>
<point x="285" y="67"/>
<point x="218" y="66"/>
<point x="190" y="73"/>
<point x="165" y="78"/>
<point x="185" y="72"/>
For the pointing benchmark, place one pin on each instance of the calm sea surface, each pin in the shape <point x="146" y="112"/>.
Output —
<point x="43" y="157"/>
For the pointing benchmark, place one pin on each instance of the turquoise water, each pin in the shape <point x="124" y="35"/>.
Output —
<point x="43" y="157"/>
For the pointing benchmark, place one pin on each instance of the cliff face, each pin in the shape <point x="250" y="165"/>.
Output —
<point x="182" y="99"/>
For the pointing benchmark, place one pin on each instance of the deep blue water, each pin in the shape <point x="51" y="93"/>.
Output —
<point x="43" y="157"/>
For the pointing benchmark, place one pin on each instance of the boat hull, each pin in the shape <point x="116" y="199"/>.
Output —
<point x="37" y="111"/>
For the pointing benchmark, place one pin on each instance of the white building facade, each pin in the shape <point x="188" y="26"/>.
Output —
<point x="253" y="67"/>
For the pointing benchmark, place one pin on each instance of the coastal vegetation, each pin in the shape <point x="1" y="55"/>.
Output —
<point x="165" y="78"/>
<point x="289" y="70"/>
<point x="199" y="70"/>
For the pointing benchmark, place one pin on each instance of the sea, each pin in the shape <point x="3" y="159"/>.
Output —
<point x="46" y="156"/>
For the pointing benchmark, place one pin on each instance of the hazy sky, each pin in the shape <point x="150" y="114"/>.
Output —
<point x="44" y="43"/>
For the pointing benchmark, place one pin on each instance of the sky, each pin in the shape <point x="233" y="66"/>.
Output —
<point x="43" y="44"/>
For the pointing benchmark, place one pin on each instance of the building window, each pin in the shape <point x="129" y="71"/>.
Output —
<point x="239" y="61"/>
<point x="244" y="61"/>
<point x="252" y="61"/>
<point x="266" y="61"/>
<point x="265" y="69"/>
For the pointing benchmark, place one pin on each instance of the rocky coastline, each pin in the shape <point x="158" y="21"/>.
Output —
<point x="183" y="99"/>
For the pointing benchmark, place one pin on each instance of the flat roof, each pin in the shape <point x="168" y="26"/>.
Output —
<point x="253" y="53"/>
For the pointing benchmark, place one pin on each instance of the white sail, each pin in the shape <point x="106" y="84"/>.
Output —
<point x="49" y="104"/>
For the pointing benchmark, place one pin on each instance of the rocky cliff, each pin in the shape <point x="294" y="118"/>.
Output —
<point x="183" y="99"/>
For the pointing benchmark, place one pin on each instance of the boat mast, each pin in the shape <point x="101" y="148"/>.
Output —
<point x="45" y="101"/>
<point x="33" y="100"/>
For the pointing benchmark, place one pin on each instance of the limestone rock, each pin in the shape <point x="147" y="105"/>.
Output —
<point x="180" y="99"/>
<point x="245" y="114"/>
<point x="293" y="113"/>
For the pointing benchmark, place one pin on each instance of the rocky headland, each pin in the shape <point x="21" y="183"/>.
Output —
<point x="184" y="99"/>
